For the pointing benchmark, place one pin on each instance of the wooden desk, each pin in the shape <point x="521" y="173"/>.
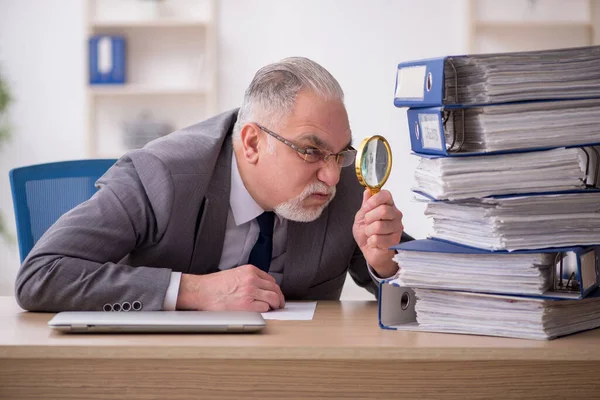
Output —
<point x="342" y="353"/>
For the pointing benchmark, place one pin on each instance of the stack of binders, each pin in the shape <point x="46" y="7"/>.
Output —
<point x="509" y="148"/>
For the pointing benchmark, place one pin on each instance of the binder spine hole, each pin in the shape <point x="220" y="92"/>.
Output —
<point x="429" y="83"/>
<point x="417" y="130"/>
<point x="405" y="301"/>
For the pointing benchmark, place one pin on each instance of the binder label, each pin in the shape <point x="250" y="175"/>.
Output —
<point x="431" y="137"/>
<point x="410" y="81"/>
<point x="105" y="52"/>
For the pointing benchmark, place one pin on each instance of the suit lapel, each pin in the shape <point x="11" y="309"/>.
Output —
<point x="211" y="231"/>
<point x="304" y="248"/>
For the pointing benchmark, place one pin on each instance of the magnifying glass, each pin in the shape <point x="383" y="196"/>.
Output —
<point x="373" y="162"/>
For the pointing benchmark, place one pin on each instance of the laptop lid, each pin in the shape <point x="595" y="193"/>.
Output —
<point x="157" y="321"/>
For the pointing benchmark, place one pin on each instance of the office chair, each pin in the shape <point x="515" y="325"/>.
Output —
<point x="42" y="193"/>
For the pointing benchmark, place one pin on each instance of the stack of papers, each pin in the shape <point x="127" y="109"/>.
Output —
<point x="511" y="316"/>
<point x="532" y="75"/>
<point x="452" y="178"/>
<point x="543" y="124"/>
<point x="519" y="222"/>
<point x="527" y="274"/>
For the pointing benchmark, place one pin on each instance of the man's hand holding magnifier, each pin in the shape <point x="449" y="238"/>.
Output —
<point x="378" y="223"/>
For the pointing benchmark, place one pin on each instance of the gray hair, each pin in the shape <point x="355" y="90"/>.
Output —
<point x="272" y="93"/>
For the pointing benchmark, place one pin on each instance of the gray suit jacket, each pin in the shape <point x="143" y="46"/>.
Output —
<point x="164" y="208"/>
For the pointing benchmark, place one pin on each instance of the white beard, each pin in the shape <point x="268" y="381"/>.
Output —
<point x="295" y="211"/>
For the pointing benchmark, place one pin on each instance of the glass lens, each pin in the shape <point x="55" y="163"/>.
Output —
<point x="312" y="155"/>
<point x="344" y="158"/>
<point x="347" y="158"/>
<point x="374" y="163"/>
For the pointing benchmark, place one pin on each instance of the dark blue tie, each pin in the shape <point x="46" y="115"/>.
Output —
<point x="261" y="253"/>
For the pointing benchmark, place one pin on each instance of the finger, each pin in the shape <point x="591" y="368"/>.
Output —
<point x="259" y="306"/>
<point x="263" y="280"/>
<point x="383" y="242"/>
<point x="384" y="227"/>
<point x="360" y="215"/>
<point x="268" y="297"/>
<point x="366" y="196"/>
<point x="272" y="287"/>
<point x="258" y="272"/>
<point x="383" y="197"/>
<point x="264" y="275"/>
<point x="383" y="213"/>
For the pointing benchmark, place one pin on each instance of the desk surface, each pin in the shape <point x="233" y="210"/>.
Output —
<point x="345" y="330"/>
<point x="342" y="353"/>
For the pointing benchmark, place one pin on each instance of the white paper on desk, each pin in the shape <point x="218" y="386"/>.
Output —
<point x="293" y="311"/>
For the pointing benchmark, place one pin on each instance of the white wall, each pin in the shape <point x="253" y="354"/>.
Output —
<point x="42" y="56"/>
<point x="42" y="52"/>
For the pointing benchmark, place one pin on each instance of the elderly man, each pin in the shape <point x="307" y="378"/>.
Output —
<point x="239" y="212"/>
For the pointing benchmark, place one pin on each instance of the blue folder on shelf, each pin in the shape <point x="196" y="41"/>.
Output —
<point x="107" y="59"/>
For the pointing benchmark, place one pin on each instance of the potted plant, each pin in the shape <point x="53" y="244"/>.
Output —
<point x="4" y="136"/>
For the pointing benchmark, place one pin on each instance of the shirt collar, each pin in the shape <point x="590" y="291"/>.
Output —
<point x="243" y="206"/>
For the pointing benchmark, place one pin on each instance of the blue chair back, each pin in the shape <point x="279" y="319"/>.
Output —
<point x="42" y="193"/>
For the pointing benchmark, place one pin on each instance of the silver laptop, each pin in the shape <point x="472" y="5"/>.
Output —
<point x="157" y="321"/>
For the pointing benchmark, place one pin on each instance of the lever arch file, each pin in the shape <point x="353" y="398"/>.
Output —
<point x="499" y="78"/>
<point x="425" y="310"/>
<point x="502" y="128"/>
<point x="557" y="170"/>
<point x="518" y="222"/>
<point x="556" y="273"/>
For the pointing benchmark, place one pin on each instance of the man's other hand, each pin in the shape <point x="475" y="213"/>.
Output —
<point x="245" y="288"/>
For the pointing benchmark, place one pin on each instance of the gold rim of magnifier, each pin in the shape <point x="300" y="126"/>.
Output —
<point x="358" y="162"/>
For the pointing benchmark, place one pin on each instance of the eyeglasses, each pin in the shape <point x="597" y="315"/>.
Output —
<point x="344" y="158"/>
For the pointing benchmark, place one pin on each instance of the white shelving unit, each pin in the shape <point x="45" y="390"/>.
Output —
<point x="171" y="57"/>
<point x="523" y="25"/>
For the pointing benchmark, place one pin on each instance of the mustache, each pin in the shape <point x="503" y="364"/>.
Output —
<point x="318" y="187"/>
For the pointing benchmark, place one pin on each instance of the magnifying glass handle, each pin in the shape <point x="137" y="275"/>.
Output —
<point x="374" y="191"/>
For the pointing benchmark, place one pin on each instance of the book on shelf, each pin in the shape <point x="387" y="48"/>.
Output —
<point x="107" y="59"/>
<point x="556" y="170"/>
<point x="477" y="79"/>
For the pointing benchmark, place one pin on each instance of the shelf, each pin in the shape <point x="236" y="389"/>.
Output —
<point x="142" y="90"/>
<point x="170" y="63"/>
<point x="157" y="23"/>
